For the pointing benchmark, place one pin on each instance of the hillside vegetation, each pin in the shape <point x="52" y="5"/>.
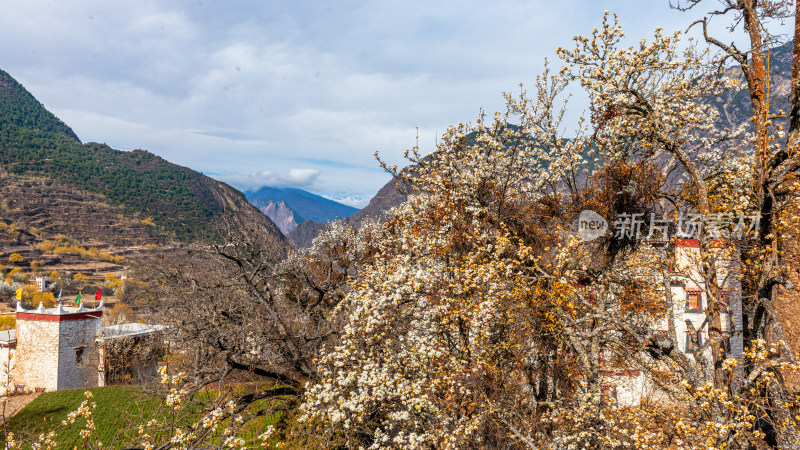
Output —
<point x="118" y="407"/>
<point x="182" y="202"/>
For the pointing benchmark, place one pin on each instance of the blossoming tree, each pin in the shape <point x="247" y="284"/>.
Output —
<point x="484" y="321"/>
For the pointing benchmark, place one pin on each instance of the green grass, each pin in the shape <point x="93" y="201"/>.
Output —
<point x="256" y="426"/>
<point x="118" y="407"/>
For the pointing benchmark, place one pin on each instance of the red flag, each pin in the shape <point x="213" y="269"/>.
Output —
<point x="97" y="295"/>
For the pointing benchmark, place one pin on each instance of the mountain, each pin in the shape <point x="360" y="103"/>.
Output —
<point x="734" y="109"/>
<point x="93" y="235"/>
<point x="36" y="148"/>
<point x="304" y="234"/>
<point x="19" y="109"/>
<point x="280" y="213"/>
<point x="734" y="106"/>
<point x="290" y="207"/>
<point x="390" y="195"/>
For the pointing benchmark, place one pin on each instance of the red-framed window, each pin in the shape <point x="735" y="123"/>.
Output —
<point x="689" y="344"/>
<point x="694" y="301"/>
<point x="726" y="297"/>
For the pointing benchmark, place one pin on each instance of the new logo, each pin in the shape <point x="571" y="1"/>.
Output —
<point x="591" y="225"/>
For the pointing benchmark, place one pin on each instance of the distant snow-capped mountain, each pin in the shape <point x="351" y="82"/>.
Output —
<point x="350" y="200"/>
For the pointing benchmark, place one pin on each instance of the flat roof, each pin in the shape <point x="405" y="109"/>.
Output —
<point x="8" y="336"/>
<point x="59" y="310"/>
<point x="128" y="330"/>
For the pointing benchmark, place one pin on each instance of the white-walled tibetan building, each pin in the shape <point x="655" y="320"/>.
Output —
<point x="67" y="348"/>
<point x="54" y="347"/>
<point x="691" y="297"/>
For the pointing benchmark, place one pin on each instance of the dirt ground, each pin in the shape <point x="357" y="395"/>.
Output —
<point x="15" y="404"/>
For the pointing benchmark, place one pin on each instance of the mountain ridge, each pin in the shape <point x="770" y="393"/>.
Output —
<point x="184" y="204"/>
<point x="390" y="195"/>
<point x="298" y="206"/>
<point x="280" y="213"/>
<point x="19" y="107"/>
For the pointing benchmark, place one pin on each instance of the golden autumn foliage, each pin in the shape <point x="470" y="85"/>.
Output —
<point x="113" y="282"/>
<point x="80" y="278"/>
<point x="8" y="322"/>
<point x="120" y="313"/>
<point x="34" y="298"/>
<point x="61" y="245"/>
<point x="16" y="275"/>
<point x="9" y="228"/>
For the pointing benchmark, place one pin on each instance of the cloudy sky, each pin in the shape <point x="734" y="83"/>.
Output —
<point x="290" y="93"/>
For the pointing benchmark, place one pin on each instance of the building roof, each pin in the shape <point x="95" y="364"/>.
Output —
<point x="128" y="330"/>
<point x="8" y="337"/>
<point x="59" y="310"/>
<point x="59" y="313"/>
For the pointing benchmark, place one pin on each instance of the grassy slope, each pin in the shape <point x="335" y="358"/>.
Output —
<point x="117" y="408"/>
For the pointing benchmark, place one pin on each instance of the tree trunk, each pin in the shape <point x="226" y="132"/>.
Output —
<point x="787" y="301"/>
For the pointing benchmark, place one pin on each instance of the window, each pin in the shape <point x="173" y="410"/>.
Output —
<point x="690" y="345"/>
<point x="609" y="393"/>
<point x="79" y="355"/>
<point x="694" y="301"/>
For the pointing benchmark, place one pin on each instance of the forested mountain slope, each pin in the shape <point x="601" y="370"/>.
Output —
<point x="182" y="203"/>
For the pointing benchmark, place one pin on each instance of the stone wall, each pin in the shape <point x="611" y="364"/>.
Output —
<point x="77" y="355"/>
<point x="55" y="351"/>
<point x="36" y="358"/>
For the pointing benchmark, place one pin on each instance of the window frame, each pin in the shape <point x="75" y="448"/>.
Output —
<point x="689" y="304"/>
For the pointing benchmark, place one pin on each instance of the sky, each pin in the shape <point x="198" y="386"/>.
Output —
<point x="293" y="93"/>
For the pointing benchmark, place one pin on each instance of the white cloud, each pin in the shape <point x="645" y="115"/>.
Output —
<point x="297" y="178"/>
<point x="232" y="88"/>
<point x="302" y="177"/>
